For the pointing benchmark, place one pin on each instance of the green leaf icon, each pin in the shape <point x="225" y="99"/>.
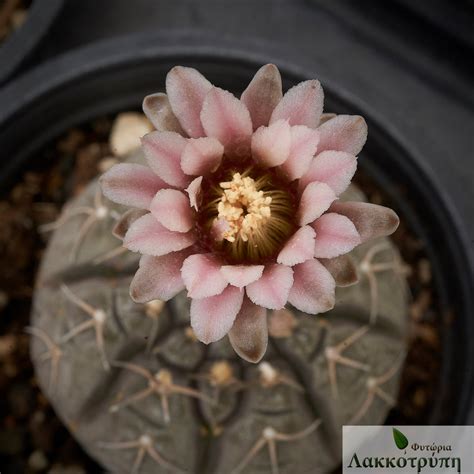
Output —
<point x="400" y="439"/>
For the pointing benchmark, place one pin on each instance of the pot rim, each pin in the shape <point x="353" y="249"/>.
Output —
<point x="21" y="43"/>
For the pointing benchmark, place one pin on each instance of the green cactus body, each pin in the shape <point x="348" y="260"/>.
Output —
<point x="156" y="400"/>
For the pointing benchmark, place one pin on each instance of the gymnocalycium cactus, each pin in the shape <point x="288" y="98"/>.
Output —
<point x="257" y="228"/>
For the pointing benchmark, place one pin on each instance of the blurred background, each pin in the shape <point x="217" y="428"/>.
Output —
<point x="72" y="76"/>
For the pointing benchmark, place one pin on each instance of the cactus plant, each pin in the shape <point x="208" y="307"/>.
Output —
<point x="142" y="394"/>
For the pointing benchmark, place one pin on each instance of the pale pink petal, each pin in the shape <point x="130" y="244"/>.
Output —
<point x="219" y="228"/>
<point x="186" y="90"/>
<point x="241" y="275"/>
<point x="201" y="156"/>
<point x="157" y="108"/>
<point x="126" y="220"/>
<point x="271" y="290"/>
<point x="158" y="278"/>
<point x="146" y="235"/>
<point x="316" y="199"/>
<point x="163" y="152"/>
<point x="263" y="94"/>
<point x="304" y="142"/>
<point x="301" y="105"/>
<point x="194" y="192"/>
<point x="249" y="334"/>
<point x="335" y="235"/>
<point x="299" y="248"/>
<point x="213" y="317"/>
<point x="271" y="145"/>
<point x="226" y="118"/>
<point x="130" y="184"/>
<point x="370" y="220"/>
<point x="202" y="276"/>
<point x="343" y="133"/>
<point x="335" y="168"/>
<point x="342" y="269"/>
<point x="313" y="291"/>
<point x="172" y="209"/>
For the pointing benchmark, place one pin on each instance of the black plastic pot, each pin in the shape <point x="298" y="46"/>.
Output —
<point x="115" y="75"/>
<point x="21" y="43"/>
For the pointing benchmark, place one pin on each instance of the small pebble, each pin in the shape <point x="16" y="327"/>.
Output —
<point x="421" y="304"/>
<point x="38" y="417"/>
<point x="89" y="153"/>
<point x="37" y="461"/>
<point x="190" y="334"/>
<point x="424" y="271"/>
<point x="419" y="398"/>
<point x="428" y="334"/>
<point x="10" y="369"/>
<point x="7" y="345"/>
<point x="19" y="17"/>
<point x="127" y="130"/>
<point x="71" y="142"/>
<point x="3" y="299"/>
<point x="281" y="323"/>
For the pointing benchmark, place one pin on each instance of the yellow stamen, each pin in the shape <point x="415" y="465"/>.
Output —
<point x="243" y="207"/>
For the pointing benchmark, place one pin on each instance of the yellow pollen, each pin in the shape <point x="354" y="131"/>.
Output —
<point x="243" y="207"/>
<point x="248" y="214"/>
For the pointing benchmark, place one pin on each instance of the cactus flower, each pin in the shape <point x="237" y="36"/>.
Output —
<point x="238" y="203"/>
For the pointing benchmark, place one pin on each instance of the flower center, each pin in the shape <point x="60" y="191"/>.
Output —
<point x="244" y="209"/>
<point x="247" y="214"/>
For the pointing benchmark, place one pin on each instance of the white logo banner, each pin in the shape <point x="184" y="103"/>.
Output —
<point x="408" y="449"/>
